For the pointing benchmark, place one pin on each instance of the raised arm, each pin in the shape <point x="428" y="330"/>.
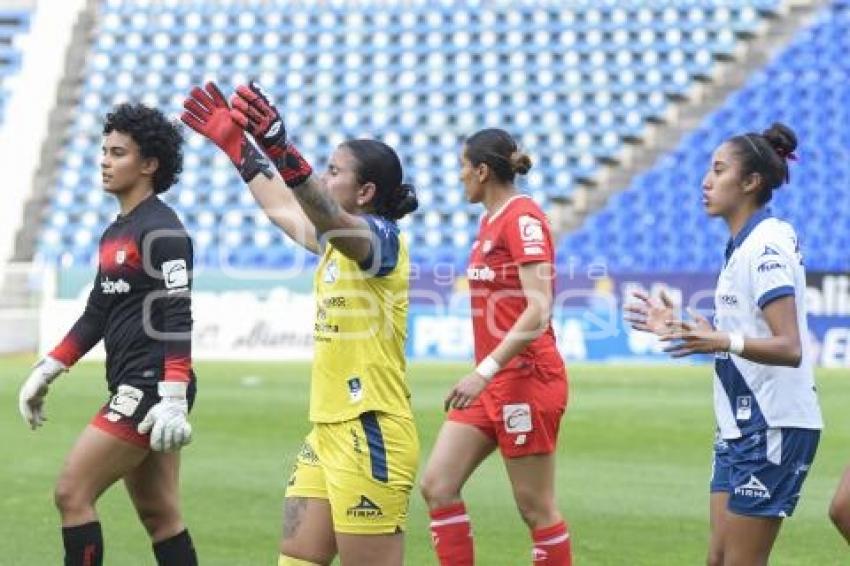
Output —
<point x="208" y="113"/>
<point x="254" y="111"/>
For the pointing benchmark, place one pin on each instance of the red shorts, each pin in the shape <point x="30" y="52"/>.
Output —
<point x="520" y="409"/>
<point x="127" y="407"/>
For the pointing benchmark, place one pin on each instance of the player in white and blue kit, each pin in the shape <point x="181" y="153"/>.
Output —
<point x="765" y="401"/>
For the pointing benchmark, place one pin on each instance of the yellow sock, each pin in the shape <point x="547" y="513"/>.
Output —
<point x="284" y="560"/>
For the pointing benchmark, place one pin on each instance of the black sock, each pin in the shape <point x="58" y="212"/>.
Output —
<point x="176" y="551"/>
<point x="83" y="545"/>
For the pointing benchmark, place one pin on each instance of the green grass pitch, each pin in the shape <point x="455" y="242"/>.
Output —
<point x="633" y="465"/>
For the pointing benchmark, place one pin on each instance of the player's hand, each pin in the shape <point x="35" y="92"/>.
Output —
<point x="34" y="390"/>
<point x="694" y="337"/>
<point x="648" y="314"/>
<point x="254" y="111"/>
<point x="207" y="112"/>
<point x="465" y="391"/>
<point x="167" y="421"/>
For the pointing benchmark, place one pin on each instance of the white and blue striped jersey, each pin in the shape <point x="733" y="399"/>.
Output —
<point x="763" y="263"/>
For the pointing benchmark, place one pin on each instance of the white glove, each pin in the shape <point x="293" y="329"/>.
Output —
<point x="34" y="389"/>
<point x="166" y="421"/>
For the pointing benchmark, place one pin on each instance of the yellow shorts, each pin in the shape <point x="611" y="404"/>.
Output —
<point x="364" y="467"/>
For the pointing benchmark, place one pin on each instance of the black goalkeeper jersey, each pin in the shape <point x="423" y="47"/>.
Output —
<point x="140" y="304"/>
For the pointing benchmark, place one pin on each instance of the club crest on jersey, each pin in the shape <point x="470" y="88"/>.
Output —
<point x="486" y="246"/>
<point x="120" y="256"/>
<point x="331" y="272"/>
<point x="744" y="405"/>
<point x="530" y="229"/>
<point x="355" y="389"/>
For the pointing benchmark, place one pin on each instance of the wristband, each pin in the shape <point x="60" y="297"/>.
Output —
<point x="487" y="368"/>
<point x="736" y="343"/>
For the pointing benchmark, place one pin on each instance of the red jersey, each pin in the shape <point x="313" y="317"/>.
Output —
<point x="516" y="234"/>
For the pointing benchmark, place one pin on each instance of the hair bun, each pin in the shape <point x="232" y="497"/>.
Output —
<point x="781" y="138"/>
<point x="405" y="201"/>
<point x="520" y="162"/>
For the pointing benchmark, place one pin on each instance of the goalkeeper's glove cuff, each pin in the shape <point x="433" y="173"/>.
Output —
<point x="252" y="162"/>
<point x="172" y="389"/>
<point x="50" y="368"/>
<point x="292" y="166"/>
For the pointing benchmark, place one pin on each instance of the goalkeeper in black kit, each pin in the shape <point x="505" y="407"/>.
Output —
<point x="140" y="306"/>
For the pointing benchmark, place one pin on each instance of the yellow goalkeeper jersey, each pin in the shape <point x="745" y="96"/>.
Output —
<point x="360" y="330"/>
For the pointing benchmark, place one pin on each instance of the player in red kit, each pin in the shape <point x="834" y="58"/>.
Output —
<point x="517" y="394"/>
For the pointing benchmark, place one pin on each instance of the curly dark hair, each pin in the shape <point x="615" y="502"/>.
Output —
<point x="156" y="137"/>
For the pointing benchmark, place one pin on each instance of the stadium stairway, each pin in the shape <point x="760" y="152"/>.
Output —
<point x="29" y="152"/>
<point x="685" y="113"/>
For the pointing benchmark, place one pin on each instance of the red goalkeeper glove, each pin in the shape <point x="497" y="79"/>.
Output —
<point x="207" y="112"/>
<point x="254" y="111"/>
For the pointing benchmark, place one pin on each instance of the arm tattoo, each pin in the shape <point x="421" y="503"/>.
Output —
<point x="293" y="511"/>
<point x="317" y="203"/>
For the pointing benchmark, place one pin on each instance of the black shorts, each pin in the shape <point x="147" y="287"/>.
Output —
<point x="127" y="407"/>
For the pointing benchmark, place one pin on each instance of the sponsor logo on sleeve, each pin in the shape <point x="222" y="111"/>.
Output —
<point x="530" y="229"/>
<point x="770" y="266"/>
<point x="175" y="274"/>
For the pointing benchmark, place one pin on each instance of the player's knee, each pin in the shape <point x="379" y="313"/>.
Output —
<point x="536" y="511"/>
<point x="714" y="558"/>
<point x="161" y="520"/>
<point x="292" y="554"/>
<point x="437" y="491"/>
<point x="839" y="514"/>
<point x="69" y="499"/>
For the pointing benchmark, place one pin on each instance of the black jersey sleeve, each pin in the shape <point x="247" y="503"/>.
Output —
<point x="87" y="331"/>
<point x="171" y="262"/>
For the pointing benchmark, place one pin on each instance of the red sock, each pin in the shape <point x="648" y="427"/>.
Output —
<point x="552" y="546"/>
<point x="451" y="533"/>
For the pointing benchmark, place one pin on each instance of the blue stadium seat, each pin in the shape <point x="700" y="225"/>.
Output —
<point x="806" y="87"/>
<point x="571" y="81"/>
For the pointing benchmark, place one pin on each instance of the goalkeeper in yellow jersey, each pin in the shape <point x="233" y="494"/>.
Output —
<point x="349" y="490"/>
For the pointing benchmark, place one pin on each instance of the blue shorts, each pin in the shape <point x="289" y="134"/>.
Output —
<point x="763" y="473"/>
